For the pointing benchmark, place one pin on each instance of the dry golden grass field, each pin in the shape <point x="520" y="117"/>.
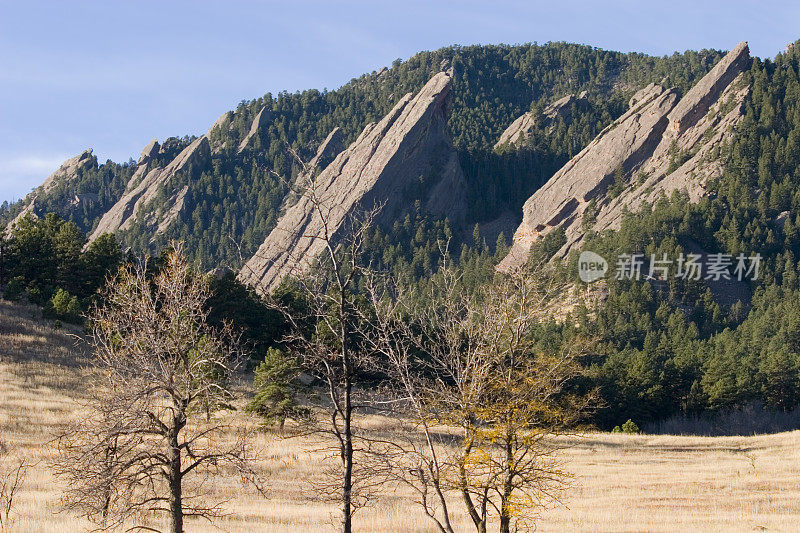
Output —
<point x="623" y="482"/>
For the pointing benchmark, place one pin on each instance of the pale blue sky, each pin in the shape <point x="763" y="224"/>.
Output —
<point x="111" y="75"/>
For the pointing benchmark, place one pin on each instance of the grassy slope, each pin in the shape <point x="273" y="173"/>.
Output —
<point x="624" y="483"/>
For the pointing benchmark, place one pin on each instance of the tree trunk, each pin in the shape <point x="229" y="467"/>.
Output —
<point x="508" y="487"/>
<point x="175" y="482"/>
<point x="505" y="522"/>
<point x="347" y="415"/>
<point x="347" y="480"/>
<point x="478" y="520"/>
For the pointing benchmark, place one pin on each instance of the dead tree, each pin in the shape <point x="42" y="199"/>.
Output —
<point x="324" y="334"/>
<point x="146" y="444"/>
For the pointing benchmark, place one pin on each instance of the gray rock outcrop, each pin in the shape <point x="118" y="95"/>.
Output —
<point x="563" y="106"/>
<point x="660" y="145"/>
<point x="327" y="151"/>
<point x="382" y="167"/>
<point x="519" y="130"/>
<point x="332" y="146"/>
<point x="68" y="171"/>
<point x="260" y="119"/>
<point x="217" y="139"/>
<point x="698" y="100"/>
<point x="149" y="152"/>
<point x="223" y="119"/>
<point x="143" y="188"/>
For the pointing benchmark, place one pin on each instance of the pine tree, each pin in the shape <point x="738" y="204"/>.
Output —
<point x="276" y="385"/>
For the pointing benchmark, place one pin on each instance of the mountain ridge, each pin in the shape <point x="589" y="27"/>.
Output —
<point x="377" y="170"/>
<point x="226" y="207"/>
<point x="640" y="141"/>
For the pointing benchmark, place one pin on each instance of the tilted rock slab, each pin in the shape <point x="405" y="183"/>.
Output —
<point x="144" y="186"/>
<point x="332" y="146"/>
<point x="260" y="119"/>
<point x="380" y="168"/>
<point x="644" y="144"/>
<point x="68" y="171"/>
<point x="224" y="124"/>
<point x="519" y="130"/>
<point x="149" y="152"/>
<point x="328" y="149"/>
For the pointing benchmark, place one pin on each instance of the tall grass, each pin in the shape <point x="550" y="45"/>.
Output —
<point x="624" y="482"/>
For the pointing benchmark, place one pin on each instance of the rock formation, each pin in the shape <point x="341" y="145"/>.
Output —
<point x="223" y="124"/>
<point x="563" y="106"/>
<point x="149" y="152"/>
<point x="328" y="149"/>
<point x="519" y="130"/>
<point x="260" y="119"/>
<point x="144" y="186"/>
<point x="661" y="144"/>
<point x="221" y="121"/>
<point x="383" y="167"/>
<point x="68" y="170"/>
<point x="151" y="174"/>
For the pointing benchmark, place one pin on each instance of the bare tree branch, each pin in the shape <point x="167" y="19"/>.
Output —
<point x="149" y="436"/>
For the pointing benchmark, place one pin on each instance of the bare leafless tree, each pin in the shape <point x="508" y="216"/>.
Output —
<point x="324" y="335"/>
<point x="417" y="455"/>
<point x="470" y="361"/>
<point x="148" y="441"/>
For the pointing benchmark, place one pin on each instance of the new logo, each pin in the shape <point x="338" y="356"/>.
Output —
<point x="591" y="267"/>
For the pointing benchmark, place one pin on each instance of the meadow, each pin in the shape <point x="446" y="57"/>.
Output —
<point x="622" y="482"/>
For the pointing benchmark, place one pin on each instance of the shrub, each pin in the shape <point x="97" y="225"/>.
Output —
<point x="35" y="296"/>
<point x="276" y="382"/>
<point x="630" y="427"/>
<point x="63" y="306"/>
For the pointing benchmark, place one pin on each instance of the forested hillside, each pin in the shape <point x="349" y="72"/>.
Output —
<point x="668" y="348"/>
<point x="677" y="349"/>
<point x="232" y="202"/>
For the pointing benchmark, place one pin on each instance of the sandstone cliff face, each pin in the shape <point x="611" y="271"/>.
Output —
<point x="382" y="167"/>
<point x="217" y="133"/>
<point x="332" y="146"/>
<point x="223" y="119"/>
<point x="259" y="121"/>
<point x="68" y="170"/>
<point x="144" y="186"/>
<point x="328" y="149"/>
<point x="149" y="152"/>
<point x="519" y="130"/>
<point x="661" y="144"/>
